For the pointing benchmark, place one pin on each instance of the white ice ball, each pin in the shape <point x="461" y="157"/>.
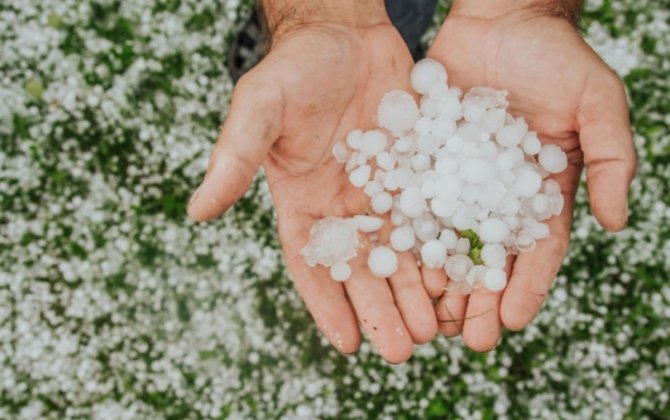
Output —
<point x="493" y="231"/>
<point x="412" y="203"/>
<point x="495" y="279"/>
<point x="509" y="136"/>
<point x="458" y="266"/>
<point x="340" y="272"/>
<point x="553" y="159"/>
<point x="381" y="202"/>
<point x="360" y="176"/>
<point x="434" y="253"/>
<point x="382" y="261"/>
<point x="448" y="238"/>
<point x="528" y="182"/>
<point x="398" y="111"/>
<point x="531" y="144"/>
<point x="402" y="238"/>
<point x="373" y="143"/>
<point x="426" y="74"/>
<point x="494" y="255"/>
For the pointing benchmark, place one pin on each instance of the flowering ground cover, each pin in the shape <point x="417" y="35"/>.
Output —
<point x="114" y="305"/>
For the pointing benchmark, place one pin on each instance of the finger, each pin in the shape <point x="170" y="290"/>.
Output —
<point x="412" y="300"/>
<point x="252" y="126"/>
<point x="375" y="308"/>
<point x="607" y="143"/>
<point x="434" y="280"/>
<point x="483" y="326"/>
<point x="534" y="272"/>
<point x="325" y="298"/>
<point x="450" y="311"/>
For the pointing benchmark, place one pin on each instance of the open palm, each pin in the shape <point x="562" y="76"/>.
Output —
<point x="572" y="99"/>
<point x="318" y="83"/>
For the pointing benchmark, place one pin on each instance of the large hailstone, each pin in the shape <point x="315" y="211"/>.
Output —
<point x="332" y="240"/>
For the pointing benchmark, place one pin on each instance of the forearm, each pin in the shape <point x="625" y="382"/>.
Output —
<point x="282" y="16"/>
<point x="568" y="9"/>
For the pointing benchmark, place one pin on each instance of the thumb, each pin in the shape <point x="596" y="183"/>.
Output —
<point x="251" y="128"/>
<point x="607" y="142"/>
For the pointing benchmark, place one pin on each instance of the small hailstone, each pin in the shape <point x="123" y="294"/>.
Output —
<point x="340" y="152"/>
<point x="397" y="218"/>
<point x="423" y="126"/>
<point x="438" y="91"/>
<point x="446" y="166"/>
<point x="457" y="267"/>
<point x="433" y="253"/>
<point x="525" y="242"/>
<point x="340" y="272"/>
<point x="538" y="230"/>
<point x="531" y="144"/>
<point x="540" y="203"/>
<point x="368" y="224"/>
<point x="398" y="111"/>
<point x="476" y="275"/>
<point x="528" y="182"/>
<point x="425" y="228"/>
<point x="556" y="202"/>
<point x="455" y="144"/>
<point x="509" y="158"/>
<point x="444" y="206"/>
<point x="354" y="139"/>
<point x="360" y="176"/>
<point x="412" y="202"/>
<point x="373" y="142"/>
<point x="495" y="279"/>
<point x="494" y="255"/>
<point x="428" y="107"/>
<point x="402" y="238"/>
<point x="471" y="193"/>
<point x="443" y="127"/>
<point x="403" y="144"/>
<point x="428" y="188"/>
<point x="473" y="112"/>
<point x="426" y="74"/>
<point x="449" y="186"/>
<point x="493" y="120"/>
<point x="381" y="202"/>
<point x="509" y="136"/>
<point x="493" y="230"/>
<point x="382" y="261"/>
<point x="420" y="162"/>
<point x="553" y="159"/>
<point x="551" y="187"/>
<point x="372" y="188"/>
<point x="448" y="238"/>
<point x="475" y="170"/>
<point x="450" y="107"/>
<point x="462" y="246"/>
<point x="385" y="161"/>
<point x="462" y="219"/>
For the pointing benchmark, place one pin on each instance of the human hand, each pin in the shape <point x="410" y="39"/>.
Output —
<point x="572" y="99"/>
<point x="322" y="78"/>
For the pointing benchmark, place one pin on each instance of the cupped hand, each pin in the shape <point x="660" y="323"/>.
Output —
<point x="572" y="99"/>
<point x="317" y="83"/>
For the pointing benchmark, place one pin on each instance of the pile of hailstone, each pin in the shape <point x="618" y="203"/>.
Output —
<point x="462" y="181"/>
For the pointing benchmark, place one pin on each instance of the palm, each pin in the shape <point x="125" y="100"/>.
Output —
<point x="555" y="82"/>
<point x="317" y="84"/>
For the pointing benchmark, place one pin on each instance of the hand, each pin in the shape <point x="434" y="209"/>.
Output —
<point x="319" y="81"/>
<point x="571" y="98"/>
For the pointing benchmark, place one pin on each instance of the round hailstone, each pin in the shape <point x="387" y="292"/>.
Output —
<point x="340" y="272"/>
<point x="368" y="224"/>
<point x="446" y="166"/>
<point x="354" y="139"/>
<point x="425" y="228"/>
<point x="528" y="182"/>
<point x="443" y="127"/>
<point x="403" y="144"/>
<point x="495" y="279"/>
<point x="525" y="241"/>
<point x="423" y="126"/>
<point x="475" y="171"/>
<point x="448" y="186"/>
<point x="385" y="161"/>
<point x="551" y="187"/>
<point x="402" y="238"/>
<point x="475" y="275"/>
<point x="428" y="107"/>
<point x="448" y="238"/>
<point x="462" y="246"/>
<point x="494" y="255"/>
<point x="382" y="261"/>
<point x="531" y="143"/>
<point x="444" y="206"/>
<point x="458" y="266"/>
<point x="360" y="176"/>
<point x="473" y="112"/>
<point x="426" y="74"/>
<point x="540" y="203"/>
<point x="412" y="203"/>
<point x="509" y="136"/>
<point x="450" y="107"/>
<point x="553" y="159"/>
<point x="398" y="111"/>
<point x="509" y="158"/>
<point x="462" y="219"/>
<point x="373" y="143"/>
<point x="433" y="254"/>
<point x="340" y="152"/>
<point x="493" y="231"/>
<point x="493" y="120"/>
<point x="381" y="202"/>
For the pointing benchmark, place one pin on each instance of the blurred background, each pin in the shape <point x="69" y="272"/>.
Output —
<point x="114" y="306"/>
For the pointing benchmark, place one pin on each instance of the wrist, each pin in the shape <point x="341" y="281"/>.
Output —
<point x="491" y="9"/>
<point x="282" y="16"/>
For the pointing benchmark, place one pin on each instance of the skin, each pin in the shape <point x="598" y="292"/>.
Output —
<point x="572" y="99"/>
<point x="321" y="79"/>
